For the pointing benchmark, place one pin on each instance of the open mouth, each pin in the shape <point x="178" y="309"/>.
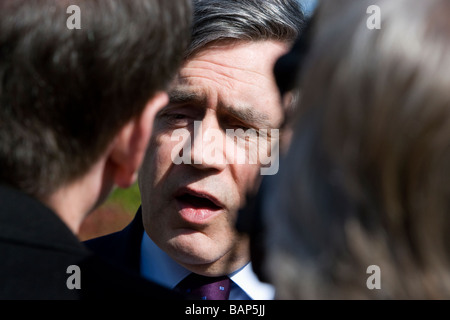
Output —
<point x="198" y="202"/>
<point x="197" y="207"/>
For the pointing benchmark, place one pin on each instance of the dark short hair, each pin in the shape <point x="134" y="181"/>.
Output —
<point x="245" y="20"/>
<point x="65" y="93"/>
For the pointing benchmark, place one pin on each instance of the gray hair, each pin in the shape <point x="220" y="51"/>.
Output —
<point x="247" y="20"/>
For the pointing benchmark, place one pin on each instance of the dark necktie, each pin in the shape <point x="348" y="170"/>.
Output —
<point x="199" y="287"/>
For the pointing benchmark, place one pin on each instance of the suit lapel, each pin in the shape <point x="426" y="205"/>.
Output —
<point x="123" y="248"/>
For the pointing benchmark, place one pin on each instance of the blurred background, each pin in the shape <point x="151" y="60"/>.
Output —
<point x="308" y="6"/>
<point x="115" y="214"/>
<point x="121" y="206"/>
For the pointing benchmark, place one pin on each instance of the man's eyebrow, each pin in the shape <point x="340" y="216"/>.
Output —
<point x="249" y="115"/>
<point x="241" y="112"/>
<point x="180" y="95"/>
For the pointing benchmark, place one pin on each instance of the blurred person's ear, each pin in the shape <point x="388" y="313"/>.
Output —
<point x="288" y="100"/>
<point x="130" y="145"/>
<point x="287" y="71"/>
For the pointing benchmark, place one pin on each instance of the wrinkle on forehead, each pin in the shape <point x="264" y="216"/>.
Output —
<point x="243" y="55"/>
<point x="230" y="66"/>
<point x="228" y="83"/>
<point x="241" y="61"/>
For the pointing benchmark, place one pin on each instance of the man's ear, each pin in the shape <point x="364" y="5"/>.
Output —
<point x="130" y="145"/>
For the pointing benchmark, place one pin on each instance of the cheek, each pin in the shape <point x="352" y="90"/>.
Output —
<point x="152" y="175"/>
<point x="247" y="180"/>
<point x="158" y="160"/>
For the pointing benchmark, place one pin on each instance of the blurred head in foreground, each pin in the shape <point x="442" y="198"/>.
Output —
<point x="78" y="103"/>
<point x="366" y="178"/>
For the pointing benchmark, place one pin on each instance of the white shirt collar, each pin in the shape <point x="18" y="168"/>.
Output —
<point x="157" y="266"/>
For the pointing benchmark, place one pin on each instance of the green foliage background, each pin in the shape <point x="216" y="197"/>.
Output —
<point x="129" y="199"/>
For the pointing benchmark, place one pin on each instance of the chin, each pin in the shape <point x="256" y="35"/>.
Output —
<point x="195" y="248"/>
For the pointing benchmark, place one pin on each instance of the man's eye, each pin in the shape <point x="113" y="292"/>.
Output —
<point x="236" y="126"/>
<point x="176" y="119"/>
<point x="177" y="116"/>
<point x="242" y="128"/>
<point x="242" y="132"/>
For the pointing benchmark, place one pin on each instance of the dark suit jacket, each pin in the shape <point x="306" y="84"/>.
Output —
<point x="123" y="247"/>
<point x="36" y="248"/>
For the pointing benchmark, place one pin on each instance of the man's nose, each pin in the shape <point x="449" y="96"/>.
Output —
<point x="208" y="145"/>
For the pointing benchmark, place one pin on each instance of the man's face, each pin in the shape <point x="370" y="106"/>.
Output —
<point x="190" y="208"/>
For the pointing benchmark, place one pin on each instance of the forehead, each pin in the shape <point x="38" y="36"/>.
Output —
<point x="242" y="55"/>
<point x="236" y="74"/>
